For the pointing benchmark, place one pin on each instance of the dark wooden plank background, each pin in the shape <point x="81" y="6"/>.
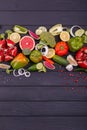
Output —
<point x="50" y="101"/>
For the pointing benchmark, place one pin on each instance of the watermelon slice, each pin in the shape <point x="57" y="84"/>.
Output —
<point x="35" y="36"/>
<point x="27" y="42"/>
<point x="48" y="65"/>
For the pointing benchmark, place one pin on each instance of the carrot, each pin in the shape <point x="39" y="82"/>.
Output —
<point x="46" y="59"/>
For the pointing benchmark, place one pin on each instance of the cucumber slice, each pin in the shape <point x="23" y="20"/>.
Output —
<point x="39" y="66"/>
<point x="79" y="32"/>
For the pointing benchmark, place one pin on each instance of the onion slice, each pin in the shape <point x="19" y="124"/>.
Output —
<point x="71" y="30"/>
<point x="15" y="74"/>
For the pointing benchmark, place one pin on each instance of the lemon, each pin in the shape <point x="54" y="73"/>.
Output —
<point x="51" y="53"/>
<point x="15" y="37"/>
<point x="64" y="36"/>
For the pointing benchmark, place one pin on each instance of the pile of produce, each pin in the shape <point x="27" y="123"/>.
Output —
<point x="23" y="51"/>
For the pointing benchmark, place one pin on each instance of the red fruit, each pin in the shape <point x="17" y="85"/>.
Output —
<point x="27" y="42"/>
<point x="49" y="65"/>
<point x="2" y="57"/>
<point x="10" y="43"/>
<point x="8" y="58"/>
<point x="13" y="51"/>
<point x="3" y="44"/>
<point x="35" y="36"/>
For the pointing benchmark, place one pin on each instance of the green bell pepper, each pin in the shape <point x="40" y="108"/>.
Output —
<point x="19" y="61"/>
<point x="75" y="44"/>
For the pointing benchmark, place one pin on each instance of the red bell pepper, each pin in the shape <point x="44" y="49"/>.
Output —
<point x="81" y="57"/>
<point x="61" y="48"/>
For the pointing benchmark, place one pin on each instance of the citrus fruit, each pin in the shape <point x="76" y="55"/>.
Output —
<point x="64" y="36"/>
<point x="15" y="37"/>
<point x="27" y="42"/>
<point x="35" y="56"/>
<point x="79" y="32"/>
<point x="51" y="53"/>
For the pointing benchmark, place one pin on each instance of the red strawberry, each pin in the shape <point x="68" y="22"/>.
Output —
<point x="10" y="43"/>
<point x="3" y="44"/>
<point x="2" y="57"/>
<point x="8" y="58"/>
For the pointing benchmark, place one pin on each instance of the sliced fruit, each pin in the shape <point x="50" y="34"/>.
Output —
<point x="35" y="36"/>
<point x="10" y="43"/>
<point x="20" y="29"/>
<point x="4" y="66"/>
<point x="3" y="44"/>
<point x="35" y="56"/>
<point x="26" y="51"/>
<point x="8" y="58"/>
<point x="2" y="57"/>
<point x="79" y="32"/>
<point x="51" y="53"/>
<point x="27" y="42"/>
<point x="15" y="37"/>
<point x="48" y="65"/>
<point x="64" y="36"/>
<point x="71" y="60"/>
<point x="13" y="51"/>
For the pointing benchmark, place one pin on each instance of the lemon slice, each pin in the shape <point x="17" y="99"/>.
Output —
<point x="15" y="37"/>
<point x="79" y="32"/>
<point x="64" y="36"/>
<point x="51" y="53"/>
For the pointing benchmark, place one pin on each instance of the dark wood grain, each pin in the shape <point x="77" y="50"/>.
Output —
<point x="43" y="5"/>
<point x="43" y="108"/>
<point x="43" y="123"/>
<point x="46" y="93"/>
<point x="43" y="18"/>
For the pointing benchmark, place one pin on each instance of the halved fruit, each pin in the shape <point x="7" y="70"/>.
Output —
<point x="64" y="36"/>
<point x="51" y="53"/>
<point x="15" y="37"/>
<point x="27" y="42"/>
<point x="48" y="65"/>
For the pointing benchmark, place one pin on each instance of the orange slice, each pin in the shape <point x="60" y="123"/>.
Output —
<point x="64" y="36"/>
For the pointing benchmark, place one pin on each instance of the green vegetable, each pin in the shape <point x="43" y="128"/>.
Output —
<point x="75" y="44"/>
<point x="19" y="61"/>
<point x="81" y="69"/>
<point x="84" y="38"/>
<point x="60" y="60"/>
<point x="20" y="29"/>
<point x="36" y="67"/>
<point x="48" y="39"/>
<point x="8" y="71"/>
<point x="8" y="32"/>
<point x="26" y="51"/>
<point x="2" y="36"/>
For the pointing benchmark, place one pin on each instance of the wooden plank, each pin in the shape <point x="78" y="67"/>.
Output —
<point x="49" y="79"/>
<point x="43" y="18"/>
<point x="43" y="108"/>
<point x="43" y="123"/>
<point x="33" y="94"/>
<point x="43" y="5"/>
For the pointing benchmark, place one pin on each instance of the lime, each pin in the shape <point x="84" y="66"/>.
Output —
<point x="64" y="36"/>
<point x="15" y="37"/>
<point x="51" y="53"/>
<point x="79" y="32"/>
<point x="26" y="51"/>
<point x="35" y="56"/>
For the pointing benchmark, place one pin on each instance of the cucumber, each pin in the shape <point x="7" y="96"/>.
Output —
<point x="35" y="67"/>
<point x="60" y="60"/>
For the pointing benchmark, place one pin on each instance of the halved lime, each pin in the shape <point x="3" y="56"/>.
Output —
<point x="79" y="32"/>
